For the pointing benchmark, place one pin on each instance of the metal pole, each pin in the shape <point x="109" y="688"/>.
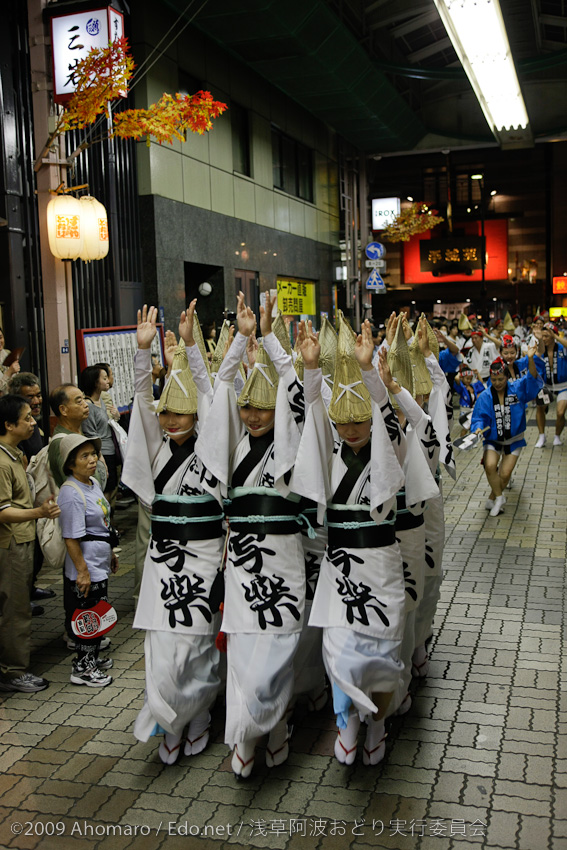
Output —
<point x="355" y="248"/>
<point x="112" y="210"/>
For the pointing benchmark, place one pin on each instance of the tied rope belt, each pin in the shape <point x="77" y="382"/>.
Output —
<point x="184" y="518"/>
<point x="262" y="514"/>
<point x="357" y="530"/>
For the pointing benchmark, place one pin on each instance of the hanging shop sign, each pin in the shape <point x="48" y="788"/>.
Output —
<point x="460" y="254"/>
<point x="425" y="260"/>
<point x="560" y="285"/>
<point x="384" y="211"/>
<point x="296" y="297"/>
<point x="72" y="36"/>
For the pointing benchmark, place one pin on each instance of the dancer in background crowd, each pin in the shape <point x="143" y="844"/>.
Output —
<point x="554" y="354"/>
<point x="502" y="409"/>
<point x="468" y="387"/>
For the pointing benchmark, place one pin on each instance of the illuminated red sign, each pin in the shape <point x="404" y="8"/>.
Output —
<point x="560" y="285"/>
<point x="496" y="236"/>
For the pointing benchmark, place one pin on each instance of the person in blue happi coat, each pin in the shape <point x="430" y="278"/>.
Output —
<point x="502" y="409"/>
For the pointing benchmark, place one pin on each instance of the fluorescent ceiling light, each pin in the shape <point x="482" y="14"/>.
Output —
<point x="477" y="32"/>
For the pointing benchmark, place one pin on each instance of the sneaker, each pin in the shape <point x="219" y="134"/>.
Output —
<point x="540" y="443"/>
<point x="498" y="508"/>
<point x="489" y="504"/>
<point x="557" y="441"/>
<point x="104" y="663"/>
<point x="89" y="674"/>
<point x="27" y="683"/>
<point x="70" y="643"/>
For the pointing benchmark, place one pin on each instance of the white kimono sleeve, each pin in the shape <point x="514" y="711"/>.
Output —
<point x="311" y="474"/>
<point x="441" y="412"/>
<point x="202" y="382"/>
<point x="217" y="442"/>
<point x="145" y="436"/>
<point x="422" y="451"/>
<point x="277" y="353"/>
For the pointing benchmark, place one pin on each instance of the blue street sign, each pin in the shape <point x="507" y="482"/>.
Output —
<point x="375" y="250"/>
<point x="375" y="282"/>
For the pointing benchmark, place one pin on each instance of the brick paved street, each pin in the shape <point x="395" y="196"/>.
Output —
<point x="479" y="761"/>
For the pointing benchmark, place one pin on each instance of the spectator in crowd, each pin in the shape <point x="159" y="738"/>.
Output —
<point x="6" y="373"/>
<point x="93" y="382"/>
<point x="209" y="336"/>
<point x="158" y="377"/>
<point x="85" y="524"/>
<point x="17" y="535"/>
<point x="27" y="385"/>
<point x="106" y="395"/>
<point x="70" y="409"/>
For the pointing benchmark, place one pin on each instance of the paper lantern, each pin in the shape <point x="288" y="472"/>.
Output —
<point x="95" y="229"/>
<point x="64" y="228"/>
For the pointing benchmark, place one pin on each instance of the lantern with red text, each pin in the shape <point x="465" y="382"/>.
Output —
<point x="64" y="227"/>
<point x="95" y="229"/>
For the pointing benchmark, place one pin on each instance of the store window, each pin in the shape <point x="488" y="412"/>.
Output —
<point x="240" y="140"/>
<point x="292" y="166"/>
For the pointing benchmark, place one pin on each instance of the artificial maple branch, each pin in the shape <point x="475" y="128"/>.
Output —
<point x="103" y="76"/>
<point x="417" y="218"/>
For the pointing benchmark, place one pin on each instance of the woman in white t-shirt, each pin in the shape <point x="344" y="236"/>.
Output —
<point x="85" y="525"/>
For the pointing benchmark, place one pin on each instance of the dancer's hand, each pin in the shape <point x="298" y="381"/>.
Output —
<point x="146" y="330"/>
<point x="186" y="322"/>
<point x="169" y="346"/>
<point x="391" y="326"/>
<point x="364" y="347"/>
<point x="266" y="315"/>
<point x="251" y="350"/>
<point x="309" y="346"/>
<point x="245" y="318"/>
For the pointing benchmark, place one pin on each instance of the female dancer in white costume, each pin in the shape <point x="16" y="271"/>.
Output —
<point x="265" y="575"/>
<point x="359" y="601"/>
<point x="184" y="554"/>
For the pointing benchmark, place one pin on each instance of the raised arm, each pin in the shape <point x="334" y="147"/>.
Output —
<point x="194" y="356"/>
<point x="363" y="351"/>
<point x="246" y="324"/>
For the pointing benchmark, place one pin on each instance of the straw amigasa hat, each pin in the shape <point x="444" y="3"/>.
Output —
<point x="400" y="362"/>
<point x="280" y="330"/>
<point x="261" y="387"/>
<point x="431" y="338"/>
<point x="508" y="324"/>
<point x="464" y="324"/>
<point x="422" y="383"/>
<point x="198" y="336"/>
<point x="218" y="353"/>
<point x="350" y="401"/>
<point x="180" y="393"/>
<point x="327" y="358"/>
